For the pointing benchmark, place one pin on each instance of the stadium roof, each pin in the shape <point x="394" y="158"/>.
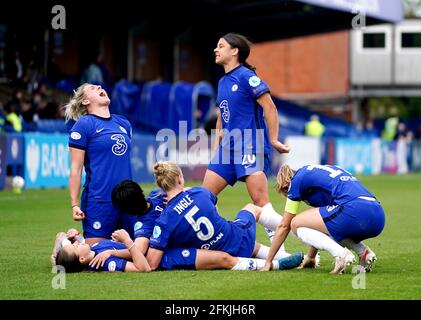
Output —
<point x="206" y="20"/>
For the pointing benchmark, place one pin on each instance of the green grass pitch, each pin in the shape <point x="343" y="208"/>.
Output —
<point x="29" y="222"/>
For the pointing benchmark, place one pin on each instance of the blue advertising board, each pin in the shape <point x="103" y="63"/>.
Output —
<point x="47" y="160"/>
<point x="355" y="155"/>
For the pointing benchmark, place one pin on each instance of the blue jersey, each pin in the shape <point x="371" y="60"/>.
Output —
<point x="237" y="94"/>
<point x="145" y="223"/>
<point x="326" y="185"/>
<point x="107" y="145"/>
<point x="191" y="220"/>
<point x="112" y="263"/>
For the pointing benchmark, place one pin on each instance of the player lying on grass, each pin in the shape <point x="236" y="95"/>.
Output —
<point x="120" y="254"/>
<point x="191" y="219"/>
<point x="344" y="211"/>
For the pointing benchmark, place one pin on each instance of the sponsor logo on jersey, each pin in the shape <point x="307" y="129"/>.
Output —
<point x="207" y="246"/>
<point x="156" y="232"/>
<point x="111" y="266"/>
<point x="254" y="81"/>
<point x="234" y="88"/>
<point x="225" y="112"/>
<point x="75" y="135"/>
<point x="120" y="147"/>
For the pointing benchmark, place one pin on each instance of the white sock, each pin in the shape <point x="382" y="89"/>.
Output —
<point x="269" y="218"/>
<point x="319" y="240"/>
<point x="264" y="252"/>
<point x="246" y="264"/>
<point x="357" y="247"/>
<point x="270" y="234"/>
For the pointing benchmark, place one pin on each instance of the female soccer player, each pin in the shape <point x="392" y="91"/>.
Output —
<point x="244" y="145"/>
<point x="100" y="142"/>
<point x="192" y="220"/>
<point x="343" y="210"/>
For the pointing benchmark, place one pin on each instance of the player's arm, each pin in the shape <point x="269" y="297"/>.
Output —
<point x="282" y="230"/>
<point x="99" y="260"/>
<point x="218" y="129"/>
<point x="271" y="116"/>
<point x="154" y="258"/>
<point x="139" y="264"/>
<point x="142" y="244"/>
<point x="77" y="157"/>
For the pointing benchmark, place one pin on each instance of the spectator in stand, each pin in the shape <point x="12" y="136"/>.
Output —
<point x="402" y="131"/>
<point x="13" y="121"/>
<point x="314" y="128"/>
<point x="391" y="125"/>
<point x="370" y="131"/>
<point x="92" y="74"/>
<point x="17" y="100"/>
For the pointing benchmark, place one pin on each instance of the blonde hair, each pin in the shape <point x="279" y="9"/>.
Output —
<point x="166" y="173"/>
<point x="74" y="109"/>
<point x="283" y="179"/>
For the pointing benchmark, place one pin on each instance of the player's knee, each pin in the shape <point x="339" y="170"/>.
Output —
<point x="295" y="223"/>
<point x="255" y="210"/>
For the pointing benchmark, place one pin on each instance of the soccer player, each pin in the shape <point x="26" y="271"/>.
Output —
<point x="121" y="254"/>
<point x="192" y="220"/>
<point x="128" y="196"/>
<point x="344" y="211"/>
<point x="244" y="145"/>
<point x="100" y="142"/>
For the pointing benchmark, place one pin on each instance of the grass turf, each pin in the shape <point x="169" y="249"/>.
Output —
<point x="29" y="222"/>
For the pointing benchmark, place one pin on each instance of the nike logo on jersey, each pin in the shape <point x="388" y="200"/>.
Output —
<point x="99" y="130"/>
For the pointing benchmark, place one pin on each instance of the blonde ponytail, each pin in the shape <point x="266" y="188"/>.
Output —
<point x="166" y="173"/>
<point x="283" y="179"/>
<point x="74" y="109"/>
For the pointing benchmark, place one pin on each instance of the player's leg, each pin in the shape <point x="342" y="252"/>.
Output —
<point x="214" y="182"/>
<point x="310" y="228"/>
<point x="210" y="260"/>
<point x="257" y="187"/>
<point x="280" y="261"/>
<point x="367" y="256"/>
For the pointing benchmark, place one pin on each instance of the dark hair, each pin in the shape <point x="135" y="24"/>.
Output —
<point x="70" y="261"/>
<point x="129" y="198"/>
<point x="243" y="45"/>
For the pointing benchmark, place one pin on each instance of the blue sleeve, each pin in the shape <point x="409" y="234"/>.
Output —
<point x="212" y="196"/>
<point x="144" y="226"/>
<point x="253" y="84"/>
<point x="79" y="134"/>
<point x="113" y="264"/>
<point x="160" y="235"/>
<point x="295" y="186"/>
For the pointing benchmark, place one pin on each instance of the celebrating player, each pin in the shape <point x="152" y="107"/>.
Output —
<point x="192" y="220"/>
<point x="343" y="210"/>
<point x="243" y="147"/>
<point x="100" y="142"/>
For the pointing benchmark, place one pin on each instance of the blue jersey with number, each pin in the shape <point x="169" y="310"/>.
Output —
<point x="240" y="112"/>
<point x="145" y="223"/>
<point x="191" y="220"/>
<point x="107" y="145"/>
<point x="325" y="185"/>
<point x="112" y="263"/>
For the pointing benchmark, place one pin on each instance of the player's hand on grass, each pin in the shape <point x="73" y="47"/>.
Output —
<point x="267" y="267"/>
<point x="77" y="213"/>
<point x="122" y="236"/>
<point x="99" y="260"/>
<point x="280" y="147"/>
